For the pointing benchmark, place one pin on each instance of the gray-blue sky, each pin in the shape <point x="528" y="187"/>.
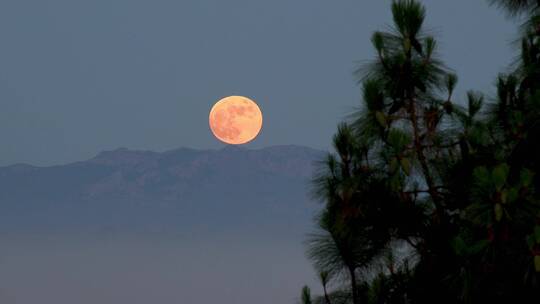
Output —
<point x="78" y="77"/>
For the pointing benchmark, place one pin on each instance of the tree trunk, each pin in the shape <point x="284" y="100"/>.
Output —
<point x="419" y="149"/>
<point x="411" y="108"/>
<point x="354" y="286"/>
<point x="326" y="297"/>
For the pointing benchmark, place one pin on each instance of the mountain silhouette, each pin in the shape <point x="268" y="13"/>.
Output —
<point x="186" y="191"/>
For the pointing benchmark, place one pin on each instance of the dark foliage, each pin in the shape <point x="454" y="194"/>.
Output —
<point x="427" y="201"/>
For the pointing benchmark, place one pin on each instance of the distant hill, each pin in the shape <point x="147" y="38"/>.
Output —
<point x="178" y="191"/>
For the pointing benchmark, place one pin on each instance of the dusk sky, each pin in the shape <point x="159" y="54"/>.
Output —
<point x="78" y="77"/>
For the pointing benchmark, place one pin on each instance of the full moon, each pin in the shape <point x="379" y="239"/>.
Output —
<point x="235" y="120"/>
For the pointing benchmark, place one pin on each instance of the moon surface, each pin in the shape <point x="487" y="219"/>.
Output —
<point x="235" y="120"/>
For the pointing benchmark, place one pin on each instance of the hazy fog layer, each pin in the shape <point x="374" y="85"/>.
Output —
<point x="150" y="269"/>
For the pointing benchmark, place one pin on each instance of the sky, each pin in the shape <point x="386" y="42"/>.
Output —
<point x="79" y="77"/>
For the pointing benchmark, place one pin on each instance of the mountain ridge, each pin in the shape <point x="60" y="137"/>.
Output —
<point x="182" y="148"/>
<point x="122" y="187"/>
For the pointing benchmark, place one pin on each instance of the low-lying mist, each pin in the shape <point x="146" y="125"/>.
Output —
<point x="142" y="269"/>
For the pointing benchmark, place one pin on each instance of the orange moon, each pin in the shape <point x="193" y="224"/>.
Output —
<point x="235" y="120"/>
